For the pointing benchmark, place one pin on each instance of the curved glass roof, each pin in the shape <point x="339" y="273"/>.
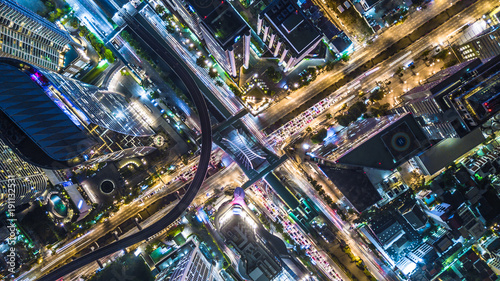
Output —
<point x="26" y="100"/>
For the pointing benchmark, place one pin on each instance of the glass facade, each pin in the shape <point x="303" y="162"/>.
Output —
<point x="58" y="122"/>
<point x="26" y="36"/>
<point x="107" y="109"/>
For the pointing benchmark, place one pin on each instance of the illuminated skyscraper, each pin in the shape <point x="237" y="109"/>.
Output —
<point x="55" y="122"/>
<point x="190" y="265"/>
<point x="289" y="35"/>
<point x="22" y="181"/>
<point x="218" y="24"/>
<point x="27" y="36"/>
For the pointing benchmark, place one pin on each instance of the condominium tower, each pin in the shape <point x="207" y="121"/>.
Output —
<point x="20" y="181"/>
<point x="26" y="36"/>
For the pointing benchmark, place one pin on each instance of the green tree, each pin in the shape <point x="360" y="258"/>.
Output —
<point x="213" y="73"/>
<point x="273" y="74"/>
<point x="235" y="90"/>
<point x="109" y="55"/>
<point x="145" y="83"/>
<point x="200" y="61"/>
<point x="155" y="95"/>
<point x="381" y="110"/>
<point x="343" y="120"/>
<point x="74" y="22"/>
<point x="159" y="9"/>
<point x="320" y="136"/>
<point x="279" y="227"/>
<point x="377" y="95"/>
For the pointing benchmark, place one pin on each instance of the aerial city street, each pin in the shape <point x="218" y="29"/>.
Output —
<point x="250" y="140"/>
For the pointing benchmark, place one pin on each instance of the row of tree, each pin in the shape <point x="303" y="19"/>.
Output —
<point x="97" y="44"/>
<point x="352" y="114"/>
<point x="319" y="188"/>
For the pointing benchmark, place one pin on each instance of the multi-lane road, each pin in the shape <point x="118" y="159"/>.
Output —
<point x="286" y="105"/>
<point x="381" y="72"/>
<point x="375" y="265"/>
<point x="363" y="54"/>
<point x="206" y="145"/>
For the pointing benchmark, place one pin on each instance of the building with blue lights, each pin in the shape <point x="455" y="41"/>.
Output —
<point x="57" y="122"/>
<point x="457" y="100"/>
<point x="188" y="263"/>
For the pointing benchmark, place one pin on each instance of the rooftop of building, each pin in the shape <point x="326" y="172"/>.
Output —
<point x="484" y="99"/>
<point x="371" y="3"/>
<point x="225" y="24"/>
<point x="487" y="31"/>
<point x="46" y="122"/>
<point x="355" y="186"/>
<point x="341" y="42"/>
<point x="448" y="150"/>
<point x="382" y="143"/>
<point x="283" y="192"/>
<point x="293" y="26"/>
<point x="442" y="79"/>
<point x="34" y="17"/>
<point x="414" y="216"/>
<point x="238" y="227"/>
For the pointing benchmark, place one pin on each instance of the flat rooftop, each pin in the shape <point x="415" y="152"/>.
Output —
<point x="292" y="24"/>
<point x="381" y="143"/>
<point x="203" y="7"/>
<point x="448" y="150"/>
<point x="355" y="186"/>
<point x="225" y="24"/>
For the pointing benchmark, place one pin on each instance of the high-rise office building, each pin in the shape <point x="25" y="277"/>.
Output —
<point x="381" y="143"/>
<point x="26" y="36"/>
<point x="55" y="122"/>
<point x="456" y="100"/>
<point x="288" y="33"/>
<point x="217" y="23"/>
<point x="424" y="102"/>
<point x="484" y="46"/>
<point x="192" y="266"/>
<point x="20" y="181"/>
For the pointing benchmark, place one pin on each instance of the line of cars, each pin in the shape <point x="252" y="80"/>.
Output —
<point x="300" y="122"/>
<point x="297" y="235"/>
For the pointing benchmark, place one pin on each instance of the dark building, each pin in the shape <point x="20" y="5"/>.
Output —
<point x="355" y="186"/>
<point x="56" y="122"/>
<point x="380" y="143"/>
<point x="414" y="215"/>
<point x="483" y="46"/>
<point x="337" y="39"/>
